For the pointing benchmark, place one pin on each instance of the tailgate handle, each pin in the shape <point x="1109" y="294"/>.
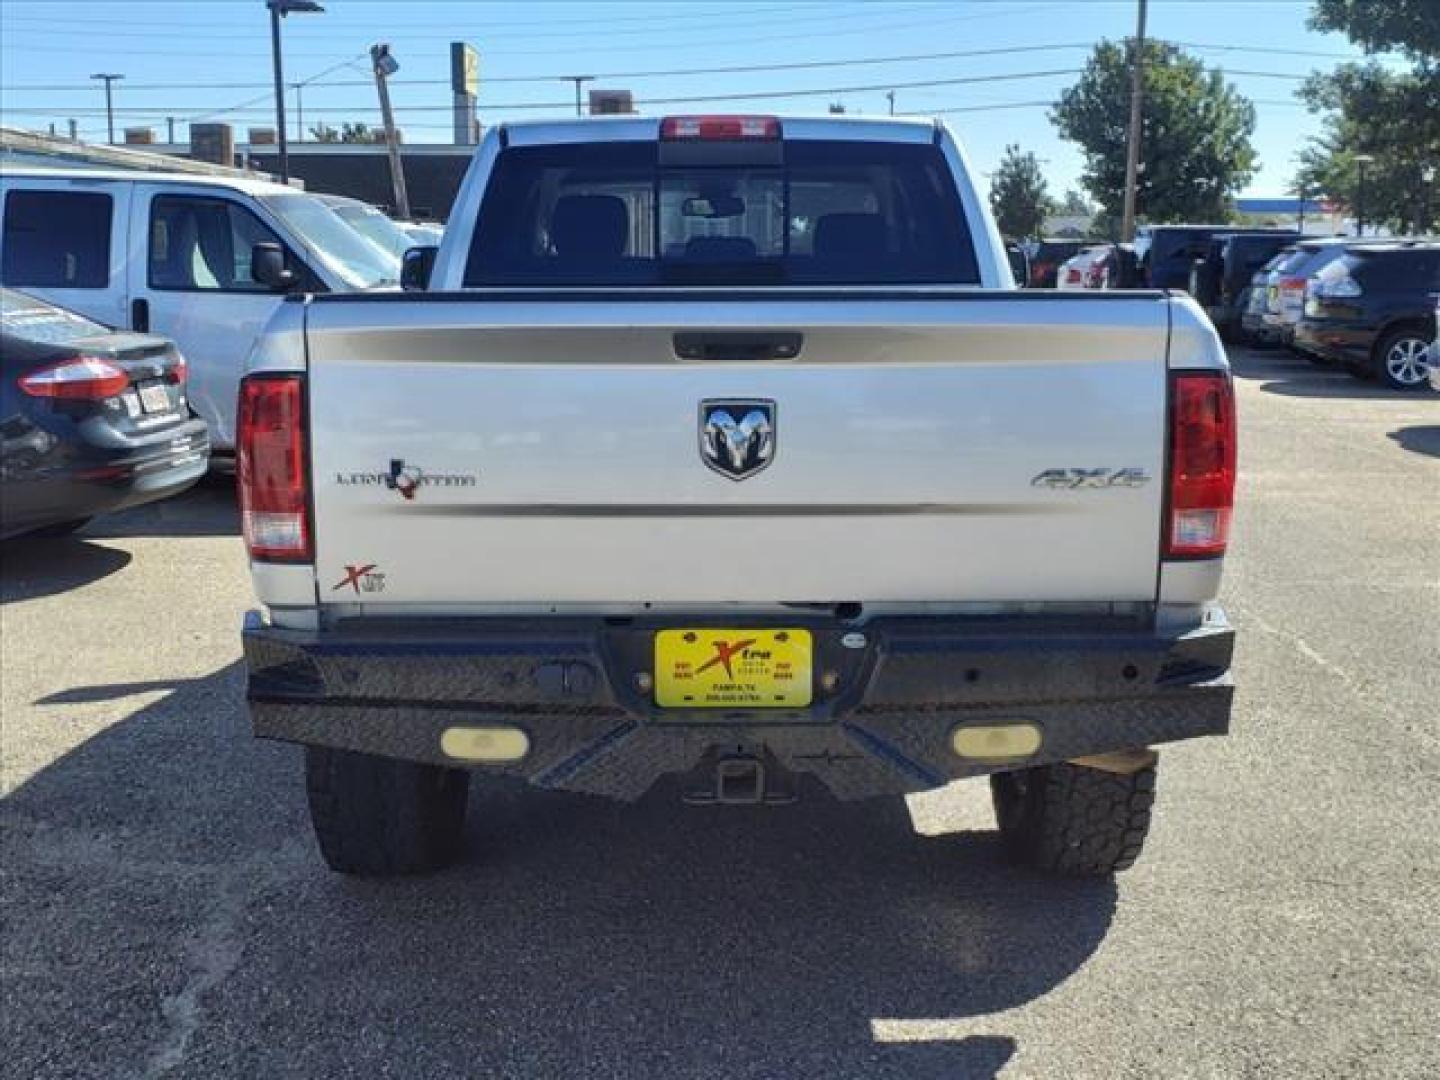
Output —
<point x="738" y="345"/>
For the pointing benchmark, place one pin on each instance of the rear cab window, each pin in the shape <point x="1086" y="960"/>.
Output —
<point x="796" y="212"/>
<point x="56" y="239"/>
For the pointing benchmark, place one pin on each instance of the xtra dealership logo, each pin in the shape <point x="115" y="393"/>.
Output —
<point x="407" y="479"/>
<point x="362" y="577"/>
<point x="725" y="651"/>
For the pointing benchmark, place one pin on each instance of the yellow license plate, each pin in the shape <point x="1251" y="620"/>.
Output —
<point x="733" y="669"/>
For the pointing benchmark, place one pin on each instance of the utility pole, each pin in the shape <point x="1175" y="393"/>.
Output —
<point x="891" y="95"/>
<point x="170" y="130"/>
<point x="74" y="130"/>
<point x="385" y="65"/>
<point x="577" y="80"/>
<point x="1132" y="146"/>
<point x="109" y="103"/>
<point x="299" y="112"/>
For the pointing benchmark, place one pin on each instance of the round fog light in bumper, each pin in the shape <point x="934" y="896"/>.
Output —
<point x="484" y="743"/>
<point x="995" y="742"/>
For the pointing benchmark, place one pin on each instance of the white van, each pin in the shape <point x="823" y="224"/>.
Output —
<point x="170" y="254"/>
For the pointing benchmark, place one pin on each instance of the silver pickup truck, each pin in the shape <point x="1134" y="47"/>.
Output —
<point x="724" y="449"/>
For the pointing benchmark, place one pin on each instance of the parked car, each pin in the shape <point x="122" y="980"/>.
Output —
<point x="1219" y="280"/>
<point x="852" y="507"/>
<point x="1167" y="252"/>
<point x="1256" y="296"/>
<point x="1285" y="295"/>
<point x="91" y="420"/>
<point x="1371" y="309"/>
<point x="1045" y="260"/>
<point x="1074" y="272"/>
<point x="1112" y="266"/>
<point x="171" y="253"/>
<point x="372" y="223"/>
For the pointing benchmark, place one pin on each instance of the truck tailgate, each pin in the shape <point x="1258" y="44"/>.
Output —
<point x="507" y="449"/>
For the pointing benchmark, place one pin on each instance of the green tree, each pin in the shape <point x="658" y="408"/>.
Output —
<point x="1389" y="115"/>
<point x="347" y="132"/>
<point x="1410" y="26"/>
<point x="1017" y="195"/>
<point x="1075" y="203"/>
<point x="1195" y="130"/>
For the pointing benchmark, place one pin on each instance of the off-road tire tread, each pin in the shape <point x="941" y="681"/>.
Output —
<point x="1075" y="820"/>
<point x="379" y="817"/>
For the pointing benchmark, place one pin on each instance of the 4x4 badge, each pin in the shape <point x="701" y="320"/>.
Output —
<point x="737" y="435"/>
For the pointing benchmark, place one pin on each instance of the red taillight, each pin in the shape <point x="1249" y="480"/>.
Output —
<point x="178" y="371"/>
<point x="271" y="466"/>
<point x="1293" y="284"/>
<point x="1202" y="464"/>
<point x="720" y="127"/>
<point x="85" y="378"/>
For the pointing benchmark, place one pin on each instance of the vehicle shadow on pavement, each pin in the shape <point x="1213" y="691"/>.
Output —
<point x="163" y="884"/>
<point x="207" y="509"/>
<point x="32" y="567"/>
<point x="1282" y="373"/>
<point x="1422" y="439"/>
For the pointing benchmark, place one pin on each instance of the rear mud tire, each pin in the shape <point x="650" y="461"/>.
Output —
<point x="376" y="817"/>
<point x="1074" y="820"/>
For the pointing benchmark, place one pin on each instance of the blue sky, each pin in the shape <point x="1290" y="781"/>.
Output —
<point x="210" y="59"/>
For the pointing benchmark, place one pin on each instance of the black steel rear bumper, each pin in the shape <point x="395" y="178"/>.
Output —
<point x="901" y="687"/>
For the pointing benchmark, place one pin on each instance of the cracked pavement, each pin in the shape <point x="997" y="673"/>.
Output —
<point x="165" y="913"/>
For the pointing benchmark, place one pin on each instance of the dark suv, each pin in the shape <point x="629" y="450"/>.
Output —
<point x="1168" y="251"/>
<point x="1373" y="308"/>
<point x="1220" y="280"/>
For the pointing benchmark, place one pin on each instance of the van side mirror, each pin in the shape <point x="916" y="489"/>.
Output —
<point x="415" y="268"/>
<point x="267" y="267"/>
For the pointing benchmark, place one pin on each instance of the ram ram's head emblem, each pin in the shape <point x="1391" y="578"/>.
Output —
<point x="737" y="436"/>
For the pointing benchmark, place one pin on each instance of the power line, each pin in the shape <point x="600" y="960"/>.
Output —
<point x="695" y="99"/>
<point x="655" y="24"/>
<point x="731" y="69"/>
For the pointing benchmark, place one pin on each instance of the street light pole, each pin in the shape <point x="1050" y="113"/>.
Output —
<point x="109" y="103"/>
<point x="278" y="10"/>
<point x="1361" y="160"/>
<point x="385" y="65"/>
<point x="577" y="80"/>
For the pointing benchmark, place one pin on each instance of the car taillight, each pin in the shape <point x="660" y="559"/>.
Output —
<point x="724" y="128"/>
<point x="85" y="378"/>
<point x="178" y="372"/>
<point x="272" y="468"/>
<point x="1202" y="464"/>
<point x="1293" y="284"/>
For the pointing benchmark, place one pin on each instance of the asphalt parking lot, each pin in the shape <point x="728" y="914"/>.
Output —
<point x="165" y="912"/>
